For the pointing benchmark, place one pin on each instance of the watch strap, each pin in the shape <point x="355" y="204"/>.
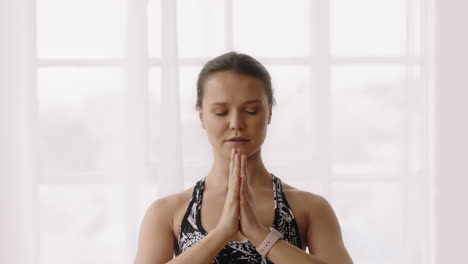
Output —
<point x="269" y="242"/>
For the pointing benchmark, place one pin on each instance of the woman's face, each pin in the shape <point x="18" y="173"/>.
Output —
<point x="234" y="105"/>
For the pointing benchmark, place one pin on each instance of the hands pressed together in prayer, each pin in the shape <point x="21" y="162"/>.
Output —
<point x="239" y="212"/>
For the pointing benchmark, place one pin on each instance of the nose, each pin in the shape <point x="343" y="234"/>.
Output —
<point x="236" y="121"/>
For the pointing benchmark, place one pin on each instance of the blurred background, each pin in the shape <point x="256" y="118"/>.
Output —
<point x="98" y="120"/>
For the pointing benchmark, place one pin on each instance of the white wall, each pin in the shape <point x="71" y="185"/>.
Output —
<point x="451" y="121"/>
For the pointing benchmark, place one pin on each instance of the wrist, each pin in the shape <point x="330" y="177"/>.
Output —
<point x="220" y="235"/>
<point x="269" y="242"/>
<point x="259" y="235"/>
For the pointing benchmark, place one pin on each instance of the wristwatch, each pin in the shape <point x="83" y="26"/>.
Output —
<point x="269" y="242"/>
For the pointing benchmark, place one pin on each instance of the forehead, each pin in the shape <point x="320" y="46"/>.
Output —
<point x="231" y="87"/>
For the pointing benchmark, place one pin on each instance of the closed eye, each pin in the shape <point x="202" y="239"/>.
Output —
<point x="250" y="113"/>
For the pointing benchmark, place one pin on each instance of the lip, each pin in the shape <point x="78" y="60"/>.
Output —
<point x="237" y="142"/>
<point x="238" y="139"/>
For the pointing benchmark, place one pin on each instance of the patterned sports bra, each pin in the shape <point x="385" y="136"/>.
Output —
<point x="237" y="252"/>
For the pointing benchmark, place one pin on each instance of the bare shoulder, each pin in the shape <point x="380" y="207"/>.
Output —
<point x="170" y="202"/>
<point x="156" y="237"/>
<point x="322" y="230"/>
<point x="305" y="205"/>
<point x="308" y="201"/>
<point x="169" y="206"/>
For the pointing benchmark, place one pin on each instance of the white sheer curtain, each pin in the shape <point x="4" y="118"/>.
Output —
<point x="97" y="118"/>
<point x="18" y="202"/>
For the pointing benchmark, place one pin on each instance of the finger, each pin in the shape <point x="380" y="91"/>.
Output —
<point x="243" y="170"/>
<point x="236" y="172"/>
<point x="239" y="164"/>
<point x="231" y="165"/>
<point x="242" y="187"/>
<point x="244" y="173"/>
<point x="249" y="193"/>
<point x="239" y="169"/>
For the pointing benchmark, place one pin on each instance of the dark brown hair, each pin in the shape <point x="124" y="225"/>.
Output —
<point x="239" y="63"/>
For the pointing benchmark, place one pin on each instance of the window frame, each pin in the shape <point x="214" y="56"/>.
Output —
<point x="137" y="64"/>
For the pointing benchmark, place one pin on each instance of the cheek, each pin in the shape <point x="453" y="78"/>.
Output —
<point x="260" y="127"/>
<point x="215" y="128"/>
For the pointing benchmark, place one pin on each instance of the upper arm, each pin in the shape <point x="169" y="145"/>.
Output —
<point x="324" y="234"/>
<point x="156" y="240"/>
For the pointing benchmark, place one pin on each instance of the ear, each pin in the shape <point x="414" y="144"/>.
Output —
<point x="269" y="116"/>
<point x="200" y="116"/>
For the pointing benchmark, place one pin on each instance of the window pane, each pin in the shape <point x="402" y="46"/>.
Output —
<point x="188" y="91"/>
<point x="418" y="131"/>
<point x="80" y="29"/>
<point x="82" y="120"/>
<point x="289" y="132"/>
<point x="368" y="103"/>
<point x="196" y="147"/>
<point x="200" y="27"/>
<point x="415" y="28"/>
<point x="155" y="112"/>
<point x="303" y="181"/>
<point x="368" y="27"/>
<point x="154" y="28"/>
<point x="371" y="220"/>
<point x="82" y="223"/>
<point x="271" y="27"/>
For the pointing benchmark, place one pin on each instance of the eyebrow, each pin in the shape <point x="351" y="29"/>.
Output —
<point x="246" y="102"/>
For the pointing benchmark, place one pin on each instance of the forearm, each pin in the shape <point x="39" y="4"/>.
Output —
<point x="283" y="252"/>
<point x="204" y="251"/>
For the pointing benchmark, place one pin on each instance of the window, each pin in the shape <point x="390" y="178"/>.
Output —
<point x="352" y="74"/>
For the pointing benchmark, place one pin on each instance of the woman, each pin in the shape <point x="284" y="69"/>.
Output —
<point x="240" y="212"/>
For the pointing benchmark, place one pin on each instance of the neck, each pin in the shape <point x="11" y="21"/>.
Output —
<point x="257" y="175"/>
